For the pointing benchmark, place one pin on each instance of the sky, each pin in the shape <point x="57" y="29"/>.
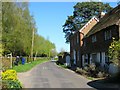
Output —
<point x="50" y="17"/>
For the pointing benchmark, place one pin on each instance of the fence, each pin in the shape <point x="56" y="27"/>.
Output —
<point x="7" y="62"/>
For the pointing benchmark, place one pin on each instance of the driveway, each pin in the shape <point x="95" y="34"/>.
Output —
<point x="49" y="75"/>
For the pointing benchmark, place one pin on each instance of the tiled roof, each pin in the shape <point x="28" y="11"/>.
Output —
<point x="111" y="18"/>
<point x="89" y="23"/>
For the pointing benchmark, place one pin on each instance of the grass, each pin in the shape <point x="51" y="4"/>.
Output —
<point x="28" y="66"/>
<point x="63" y="66"/>
<point x="92" y="78"/>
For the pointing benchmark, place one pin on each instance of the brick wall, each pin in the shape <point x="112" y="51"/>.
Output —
<point x="79" y="35"/>
<point x="101" y="45"/>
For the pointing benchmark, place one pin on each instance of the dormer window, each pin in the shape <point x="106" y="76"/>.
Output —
<point x="94" y="38"/>
<point x="108" y="35"/>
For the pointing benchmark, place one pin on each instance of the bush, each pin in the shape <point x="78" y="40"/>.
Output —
<point x="55" y="58"/>
<point x="57" y="62"/>
<point x="11" y="84"/>
<point x="81" y="71"/>
<point x="100" y="75"/>
<point x="86" y="68"/>
<point x="9" y="79"/>
<point x="94" y="71"/>
<point x="92" y="67"/>
<point x="9" y="75"/>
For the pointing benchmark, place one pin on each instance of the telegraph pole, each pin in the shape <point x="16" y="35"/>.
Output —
<point x="32" y="43"/>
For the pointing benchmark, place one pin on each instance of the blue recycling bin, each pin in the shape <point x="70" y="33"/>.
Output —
<point x="23" y="60"/>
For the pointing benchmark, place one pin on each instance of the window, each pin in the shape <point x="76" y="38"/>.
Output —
<point x="94" y="38"/>
<point x="108" y="35"/>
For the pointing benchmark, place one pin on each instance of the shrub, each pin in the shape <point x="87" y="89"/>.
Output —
<point x="11" y="84"/>
<point x="100" y="75"/>
<point x="9" y="79"/>
<point x="55" y="58"/>
<point x="81" y="71"/>
<point x="57" y="62"/>
<point x="86" y="68"/>
<point x="9" y="75"/>
<point x="95" y="71"/>
<point x="92" y="67"/>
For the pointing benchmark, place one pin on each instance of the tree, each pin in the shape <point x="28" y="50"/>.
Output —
<point x="69" y="27"/>
<point x="118" y="2"/>
<point x="43" y="46"/>
<point x="83" y="12"/>
<point x="18" y="26"/>
<point x="53" y="53"/>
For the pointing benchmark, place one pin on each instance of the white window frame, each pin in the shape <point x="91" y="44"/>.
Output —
<point x="108" y="35"/>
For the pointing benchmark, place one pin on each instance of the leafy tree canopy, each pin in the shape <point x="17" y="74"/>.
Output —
<point x="83" y="12"/>
<point x="18" y="26"/>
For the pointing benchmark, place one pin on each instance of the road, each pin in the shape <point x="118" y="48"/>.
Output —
<point x="49" y="75"/>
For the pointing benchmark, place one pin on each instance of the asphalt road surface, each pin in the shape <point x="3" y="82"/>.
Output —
<point x="49" y="75"/>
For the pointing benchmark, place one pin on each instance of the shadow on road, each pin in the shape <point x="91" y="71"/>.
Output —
<point x="102" y="85"/>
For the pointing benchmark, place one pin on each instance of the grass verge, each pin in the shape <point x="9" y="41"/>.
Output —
<point x="28" y="66"/>
<point x="63" y="66"/>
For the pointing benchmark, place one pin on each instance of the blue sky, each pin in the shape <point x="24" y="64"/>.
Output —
<point x="49" y="17"/>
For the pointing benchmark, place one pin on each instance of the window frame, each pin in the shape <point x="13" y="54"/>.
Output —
<point x="107" y="35"/>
